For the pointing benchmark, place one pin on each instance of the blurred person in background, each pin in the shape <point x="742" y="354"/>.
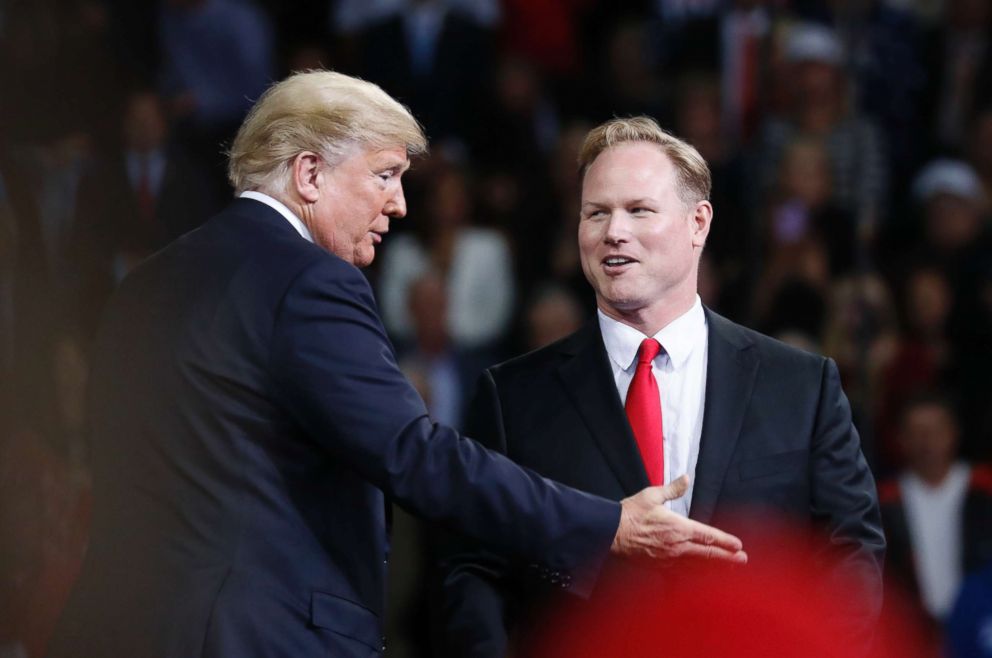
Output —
<point x="62" y="164"/>
<point x="552" y="314"/>
<point x="135" y="200"/>
<point x="797" y="314"/>
<point x="434" y="57"/>
<point x="862" y="336"/>
<point x="885" y="67"/>
<point x="737" y="46"/>
<point x="821" y="109"/>
<point x="924" y="358"/>
<point x="937" y="513"/>
<point x="44" y="277"/>
<point x="519" y="125"/>
<point x="475" y="263"/>
<point x="954" y="212"/>
<point x="217" y="56"/>
<point x="440" y="366"/>
<point x="804" y="206"/>
<point x="732" y="243"/>
<point x="57" y="69"/>
<point x="958" y="53"/>
<point x="629" y="82"/>
<point x="658" y="389"/>
<point x="807" y="239"/>
<point x="544" y="238"/>
<point x="969" y="627"/>
<point x="956" y="234"/>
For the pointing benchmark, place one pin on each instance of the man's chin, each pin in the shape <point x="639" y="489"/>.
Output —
<point x="622" y="300"/>
<point x="364" y="257"/>
<point x="620" y="304"/>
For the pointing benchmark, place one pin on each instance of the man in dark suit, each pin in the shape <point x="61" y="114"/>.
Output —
<point x="248" y="418"/>
<point x="659" y="388"/>
<point x="133" y="202"/>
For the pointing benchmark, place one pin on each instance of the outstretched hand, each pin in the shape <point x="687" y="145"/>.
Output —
<point x="650" y="531"/>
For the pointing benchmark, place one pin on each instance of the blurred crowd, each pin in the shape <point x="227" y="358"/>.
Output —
<point x="850" y="143"/>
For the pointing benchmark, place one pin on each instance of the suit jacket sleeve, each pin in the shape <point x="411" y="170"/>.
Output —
<point x="335" y="374"/>
<point x="844" y="499"/>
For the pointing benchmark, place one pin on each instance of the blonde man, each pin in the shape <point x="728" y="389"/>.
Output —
<point x="248" y="418"/>
<point x="658" y="389"/>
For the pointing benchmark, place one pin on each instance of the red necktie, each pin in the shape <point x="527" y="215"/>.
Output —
<point x="644" y="412"/>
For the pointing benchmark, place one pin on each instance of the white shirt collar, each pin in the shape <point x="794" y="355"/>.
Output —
<point x="678" y="338"/>
<point x="281" y="208"/>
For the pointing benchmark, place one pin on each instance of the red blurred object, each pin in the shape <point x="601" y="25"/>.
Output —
<point x="544" y="31"/>
<point x="775" y="608"/>
<point x="45" y="508"/>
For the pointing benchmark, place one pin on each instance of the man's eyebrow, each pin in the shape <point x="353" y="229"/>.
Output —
<point x="398" y="167"/>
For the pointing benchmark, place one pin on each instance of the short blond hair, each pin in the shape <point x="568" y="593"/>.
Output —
<point x="694" y="180"/>
<point x="325" y="112"/>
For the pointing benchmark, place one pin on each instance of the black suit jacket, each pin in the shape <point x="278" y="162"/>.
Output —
<point x="248" y="420"/>
<point x="777" y="441"/>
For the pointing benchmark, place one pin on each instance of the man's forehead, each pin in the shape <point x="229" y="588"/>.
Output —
<point x="389" y="156"/>
<point x="632" y="154"/>
<point x="631" y="169"/>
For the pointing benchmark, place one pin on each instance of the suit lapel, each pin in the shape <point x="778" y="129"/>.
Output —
<point x="730" y="371"/>
<point x="588" y="379"/>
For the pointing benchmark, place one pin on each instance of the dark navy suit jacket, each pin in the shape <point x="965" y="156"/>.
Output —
<point x="777" y="444"/>
<point x="247" y="420"/>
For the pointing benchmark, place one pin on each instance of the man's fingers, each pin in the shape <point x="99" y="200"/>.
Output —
<point x="675" y="489"/>
<point x="700" y="533"/>
<point x="690" y="550"/>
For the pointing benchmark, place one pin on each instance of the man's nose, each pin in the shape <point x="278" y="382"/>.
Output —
<point x="396" y="206"/>
<point x="617" y="228"/>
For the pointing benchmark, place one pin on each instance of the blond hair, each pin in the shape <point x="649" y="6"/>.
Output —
<point x="693" y="174"/>
<point x="321" y="111"/>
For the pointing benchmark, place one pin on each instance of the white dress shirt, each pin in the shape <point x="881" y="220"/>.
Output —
<point x="680" y="370"/>
<point x="933" y="515"/>
<point x="479" y="283"/>
<point x="281" y="208"/>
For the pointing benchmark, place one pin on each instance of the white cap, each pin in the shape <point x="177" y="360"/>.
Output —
<point x="946" y="176"/>
<point x="812" y="42"/>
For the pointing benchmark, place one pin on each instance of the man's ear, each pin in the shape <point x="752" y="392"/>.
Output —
<point x="701" y="219"/>
<point x="305" y="171"/>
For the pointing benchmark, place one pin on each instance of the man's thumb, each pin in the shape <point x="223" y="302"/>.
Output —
<point x="675" y="489"/>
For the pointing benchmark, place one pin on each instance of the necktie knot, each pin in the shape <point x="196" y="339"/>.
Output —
<point x="648" y="350"/>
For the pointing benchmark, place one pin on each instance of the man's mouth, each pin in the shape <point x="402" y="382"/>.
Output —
<point x="616" y="263"/>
